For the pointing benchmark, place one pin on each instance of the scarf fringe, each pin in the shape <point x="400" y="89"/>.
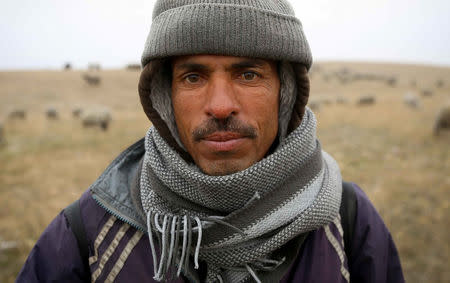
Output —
<point x="168" y="233"/>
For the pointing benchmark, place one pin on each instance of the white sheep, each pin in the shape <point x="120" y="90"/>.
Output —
<point x="91" y="79"/>
<point x="96" y="118"/>
<point x="314" y="105"/>
<point x="341" y="100"/>
<point x="411" y="100"/>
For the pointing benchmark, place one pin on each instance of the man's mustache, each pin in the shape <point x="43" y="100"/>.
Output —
<point x="230" y="124"/>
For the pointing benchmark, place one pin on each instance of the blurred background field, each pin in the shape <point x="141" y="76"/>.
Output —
<point x="387" y="147"/>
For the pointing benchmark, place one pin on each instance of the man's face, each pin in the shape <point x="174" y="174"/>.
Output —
<point x="226" y="110"/>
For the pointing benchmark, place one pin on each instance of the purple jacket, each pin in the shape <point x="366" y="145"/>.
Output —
<point x="119" y="250"/>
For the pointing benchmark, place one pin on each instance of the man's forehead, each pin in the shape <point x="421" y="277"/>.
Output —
<point x="181" y="62"/>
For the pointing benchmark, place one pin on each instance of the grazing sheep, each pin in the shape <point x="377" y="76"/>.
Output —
<point x="326" y="101"/>
<point x="366" y="100"/>
<point x="133" y="67"/>
<point x="358" y="77"/>
<point x="17" y="114"/>
<point x="427" y="92"/>
<point x="7" y="245"/>
<point x="392" y="81"/>
<point x="76" y="112"/>
<point x="94" y="67"/>
<point x="341" y="100"/>
<point x="344" y="71"/>
<point x="442" y="122"/>
<point x="344" y="80"/>
<point x="92" y="80"/>
<point x="411" y="100"/>
<point x="314" y="105"/>
<point x="52" y="114"/>
<point x="98" y="118"/>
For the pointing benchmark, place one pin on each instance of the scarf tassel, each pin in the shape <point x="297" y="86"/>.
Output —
<point x="169" y="229"/>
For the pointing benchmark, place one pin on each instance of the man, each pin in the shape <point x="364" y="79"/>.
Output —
<point x="230" y="184"/>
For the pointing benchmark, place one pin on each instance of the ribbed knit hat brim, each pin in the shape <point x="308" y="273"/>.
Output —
<point x="226" y="29"/>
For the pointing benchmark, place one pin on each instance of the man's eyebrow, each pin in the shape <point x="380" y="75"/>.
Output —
<point x="191" y="67"/>
<point x="248" y="63"/>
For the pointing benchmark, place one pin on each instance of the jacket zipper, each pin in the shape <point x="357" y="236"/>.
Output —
<point x="113" y="212"/>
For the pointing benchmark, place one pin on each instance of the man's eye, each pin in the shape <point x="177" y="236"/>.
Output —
<point x="249" y="76"/>
<point x="193" y="78"/>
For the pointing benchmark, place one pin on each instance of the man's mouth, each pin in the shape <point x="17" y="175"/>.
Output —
<point x="223" y="141"/>
<point x="223" y="136"/>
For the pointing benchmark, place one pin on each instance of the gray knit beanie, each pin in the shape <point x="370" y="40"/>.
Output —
<point x="250" y="28"/>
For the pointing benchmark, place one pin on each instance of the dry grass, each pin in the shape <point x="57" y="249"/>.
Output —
<point x="387" y="148"/>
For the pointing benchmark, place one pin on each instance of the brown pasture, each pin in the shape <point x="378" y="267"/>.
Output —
<point x="387" y="148"/>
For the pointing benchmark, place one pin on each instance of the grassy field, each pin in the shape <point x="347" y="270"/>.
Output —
<point x="387" y="148"/>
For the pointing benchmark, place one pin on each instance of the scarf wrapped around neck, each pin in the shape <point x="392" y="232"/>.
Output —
<point x="235" y="223"/>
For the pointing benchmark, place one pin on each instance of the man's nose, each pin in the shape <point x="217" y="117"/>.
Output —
<point x="222" y="102"/>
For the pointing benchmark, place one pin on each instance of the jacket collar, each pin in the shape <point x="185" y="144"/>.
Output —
<point x="113" y="189"/>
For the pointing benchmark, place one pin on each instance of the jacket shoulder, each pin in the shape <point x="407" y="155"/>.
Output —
<point x="55" y="257"/>
<point x="374" y="255"/>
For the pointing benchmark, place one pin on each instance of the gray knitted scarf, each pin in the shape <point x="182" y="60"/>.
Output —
<point x="234" y="223"/>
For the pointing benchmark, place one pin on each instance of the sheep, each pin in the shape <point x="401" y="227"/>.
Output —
<point x="344" y="71"/>
<point x="96" y="118"/>
<point x="343" y="75"/>
<point x="427" y="92"/>
<point x="442" y="122"/>
<point x="7" y="245"/>
<point x="94" y="66"/>
<point x="52" y="114"/>
<point x="344" y="80"/>
<point x="366" y="100"/>
<point x="76" y="112"/>
<point x="314" y="105"/>
<point x="67" y="66"/>
<point x="18" y="114"/>
<point x="326" y="101"/>
<point x="341" y="100"/>
<point x="411" y="100"/>
<point x="133" y="67"/>
<point x="392" y="81"/>
<point x="91" y="79"/>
